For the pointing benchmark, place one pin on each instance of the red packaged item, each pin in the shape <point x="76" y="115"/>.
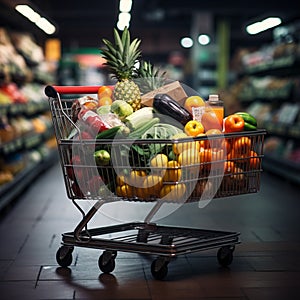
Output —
<point x="93" y="120"/>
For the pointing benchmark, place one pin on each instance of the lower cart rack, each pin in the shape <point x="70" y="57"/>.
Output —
<point x="138" y="237"/>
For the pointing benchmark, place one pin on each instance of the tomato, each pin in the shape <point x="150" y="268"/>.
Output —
<point x="193" y="128"/>
<point x="234" y="123"/>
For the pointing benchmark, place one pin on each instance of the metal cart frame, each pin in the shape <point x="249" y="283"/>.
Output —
<point x="145" y="237"/>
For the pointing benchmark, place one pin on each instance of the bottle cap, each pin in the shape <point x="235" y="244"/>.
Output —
<point x="213" y="98"/>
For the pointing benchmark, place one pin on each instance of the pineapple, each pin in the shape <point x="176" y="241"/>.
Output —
<point x="121" y="58"/>
<point x="150" y="77"/>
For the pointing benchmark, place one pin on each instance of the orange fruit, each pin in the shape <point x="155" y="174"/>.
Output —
<point x="229" y="167"/>
<point x="242" y="146"/>
<point x="203" y="143"/>
<point x="205" y="155"/>
<point x="104" y="91"/>
<point x="106" y="100"/>
<point x="193" y="101"/>
<point x="254" y="160"/>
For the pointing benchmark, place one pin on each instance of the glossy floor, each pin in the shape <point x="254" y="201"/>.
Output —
<point x="266" y="264"/>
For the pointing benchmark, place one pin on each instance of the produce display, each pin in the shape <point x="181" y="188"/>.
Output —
<point x="122" y="147"/>
<point x="161" y="152"/>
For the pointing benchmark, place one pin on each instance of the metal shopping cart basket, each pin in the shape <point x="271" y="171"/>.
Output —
<point x="201" y="169"/>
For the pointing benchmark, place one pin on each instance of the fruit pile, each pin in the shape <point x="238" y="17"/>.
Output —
<point x="165" y="151"/>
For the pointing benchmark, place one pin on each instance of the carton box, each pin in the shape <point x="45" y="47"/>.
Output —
<point x="173" y="89"/>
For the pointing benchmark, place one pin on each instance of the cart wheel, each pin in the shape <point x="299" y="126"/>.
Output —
<point x="64" y="256"/>
<point x="225" y="255"/>
<point x="159" y="269"/>
<point x="106" y="262"/>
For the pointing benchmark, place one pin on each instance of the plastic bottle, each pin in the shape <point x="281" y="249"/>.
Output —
<point x="216" y="105"/>
<point x="93" y="120"/>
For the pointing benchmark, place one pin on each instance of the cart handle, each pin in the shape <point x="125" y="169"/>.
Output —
<point x="53" y="90"/>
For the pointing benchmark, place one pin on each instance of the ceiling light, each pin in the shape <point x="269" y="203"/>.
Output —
<point x="124" y="20"/>
<point x="125" y="5"/>
<point x="204" y="39"/>
<point x="45" y="25"/>
<point x="35" y="18"/>
<point x="186" y="42"/>
<point x="263" y="25"/>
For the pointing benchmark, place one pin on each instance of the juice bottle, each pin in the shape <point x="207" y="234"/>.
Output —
<point x="215" y="106"/>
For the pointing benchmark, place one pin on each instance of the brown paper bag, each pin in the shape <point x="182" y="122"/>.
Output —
<point x="173" y="89"/>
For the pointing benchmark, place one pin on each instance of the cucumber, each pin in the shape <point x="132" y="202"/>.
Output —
<point x="249" y="127"/>
<point x="250" y="121"/>
<point x="136" y="134"/>
<point x="247" y="118"/>
<point x="109" y="133"/>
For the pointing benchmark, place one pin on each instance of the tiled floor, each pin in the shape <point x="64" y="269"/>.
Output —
<point x="266" y="264"/>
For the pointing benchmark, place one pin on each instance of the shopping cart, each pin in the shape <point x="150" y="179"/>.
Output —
<point x="229" y="165"/>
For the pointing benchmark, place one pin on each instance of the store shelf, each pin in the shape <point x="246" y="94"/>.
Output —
<point x="282" y="167"/>
<point x="28" y="109"/>
<point x="10" y="191"/>
<point x="268" y="86"/>
<point x="28" y="141"/>
<point x="282" y="65"/>
<point x="286" y="131"/>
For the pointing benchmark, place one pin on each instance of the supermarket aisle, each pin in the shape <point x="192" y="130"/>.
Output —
<point x="266" y="264"/>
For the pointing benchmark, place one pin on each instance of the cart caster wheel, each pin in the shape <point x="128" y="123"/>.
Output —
<point x="64" y="256"/>
<point x="106" y="262"/>
<point x="159" y="269"/>
<point x="225" y="255"/>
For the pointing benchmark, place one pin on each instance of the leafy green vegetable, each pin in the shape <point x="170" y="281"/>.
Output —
<point x="160" y="131"/>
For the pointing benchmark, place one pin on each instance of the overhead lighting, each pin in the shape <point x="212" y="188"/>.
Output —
<point x="125" y="5"/>
<point x="263" y="25"/>
<point x="186" y="42"/>
<point x="36" y="18"/>
<point x="124" y="14"/>
<point x="124" y="20"/>
<point x="203" y="39"/>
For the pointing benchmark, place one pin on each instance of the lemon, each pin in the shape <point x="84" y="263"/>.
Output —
<point x="179" y="146"/>
<point x="159" y="162"/>
<point x="173" y="172"/>
<point x="173" y="192"/>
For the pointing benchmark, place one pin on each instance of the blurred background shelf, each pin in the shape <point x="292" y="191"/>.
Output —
<point x="10" y="190"/>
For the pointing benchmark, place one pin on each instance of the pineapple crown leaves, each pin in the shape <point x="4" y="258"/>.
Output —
<point x="122" y="55"/>
<point x="152" y="77"/>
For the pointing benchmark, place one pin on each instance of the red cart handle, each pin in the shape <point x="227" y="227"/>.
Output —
<point x="52" y="90"/>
